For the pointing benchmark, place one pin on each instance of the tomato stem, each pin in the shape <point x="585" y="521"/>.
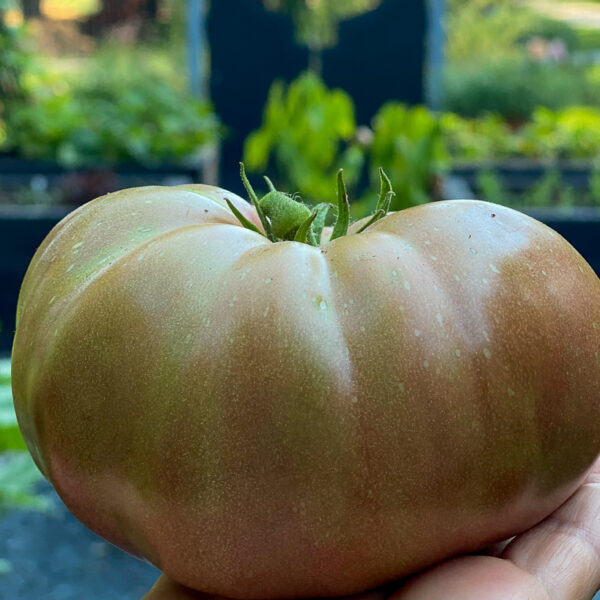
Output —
<point x="285" y="218"/>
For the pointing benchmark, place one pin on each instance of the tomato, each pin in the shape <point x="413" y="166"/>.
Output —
<point x="271" y="419"/>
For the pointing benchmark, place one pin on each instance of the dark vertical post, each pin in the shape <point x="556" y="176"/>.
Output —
<point x="195" y="46"/>
<point x="379" y="57"/>
<point x="436" y="41"/>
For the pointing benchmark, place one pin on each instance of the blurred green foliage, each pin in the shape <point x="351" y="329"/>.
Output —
<point x="107" y="115"/>
<point x="481" y="31"/>
<point x="114" y="106"/>
<point x="18" y="473"/>
<point x="571" y="133"/>
<point x="515" y="88"/>
<point x="408" y="144"/>
<point x="497" y="61"/>
<point x="308" y="133"/>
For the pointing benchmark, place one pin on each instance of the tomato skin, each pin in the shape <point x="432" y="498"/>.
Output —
<point x="268" y="420"/>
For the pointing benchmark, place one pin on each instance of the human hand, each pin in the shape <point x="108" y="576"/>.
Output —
<point x="558" y="559"/>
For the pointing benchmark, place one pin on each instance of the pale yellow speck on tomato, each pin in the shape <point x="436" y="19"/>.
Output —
<point x="70" y="268"/>
<point x="510" y="392"/>
<point x="407" y="285"/>
<point x="458" y="353"/>
<point x="487" y="353"/>
<point x="417" y="333"/>
<point x="494" y="268"/>
<point x="426" y="364"/>
<point x="77" y="245"/>
<point x="266" y="312"/>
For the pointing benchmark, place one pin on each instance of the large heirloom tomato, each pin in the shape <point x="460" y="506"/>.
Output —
<point x="272" y="419"/>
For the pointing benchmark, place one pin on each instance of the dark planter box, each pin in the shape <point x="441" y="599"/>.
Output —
<point x="518" y="175"/>
<point x="22" y="230"/>
<point x="78" y="186"/>
<point x="579" y="226"/>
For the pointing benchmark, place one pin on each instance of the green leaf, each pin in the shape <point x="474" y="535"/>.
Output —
<point x="18" y="477"/>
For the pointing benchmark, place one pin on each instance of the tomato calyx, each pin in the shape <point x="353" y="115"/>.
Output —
<point x="284" y="218"/>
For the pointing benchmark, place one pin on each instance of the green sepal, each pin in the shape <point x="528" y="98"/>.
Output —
<point x="343" y="218"/>
<point x="242" y="219"/>
<point x="386" y="192"/>
<point x="254" y="199"/>
<point x="316" y="231"/>
<point x="269" y="184"/>
<point x="380" y="213"/>
<point x="304" y="229"/>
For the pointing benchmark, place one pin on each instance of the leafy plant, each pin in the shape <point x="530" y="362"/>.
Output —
<point x="18" y="473"/>
<point x="492" y="189"/>
<point x="408" y="144"/>
<point x="106" y="110"/>
<point x="570" y="133"/>
<point x="515" y="88"/>
<point x="482" y="138"/>
<point x="107" y="118"/>
<point x="308" y="133"/>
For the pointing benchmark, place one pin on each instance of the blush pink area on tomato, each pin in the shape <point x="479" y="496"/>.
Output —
<point x="267" y="420"/>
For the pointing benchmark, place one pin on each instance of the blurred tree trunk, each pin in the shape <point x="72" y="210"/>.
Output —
<point x="31" y="8"/>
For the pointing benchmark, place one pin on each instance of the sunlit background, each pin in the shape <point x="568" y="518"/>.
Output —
<point x="498" y="100"/>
